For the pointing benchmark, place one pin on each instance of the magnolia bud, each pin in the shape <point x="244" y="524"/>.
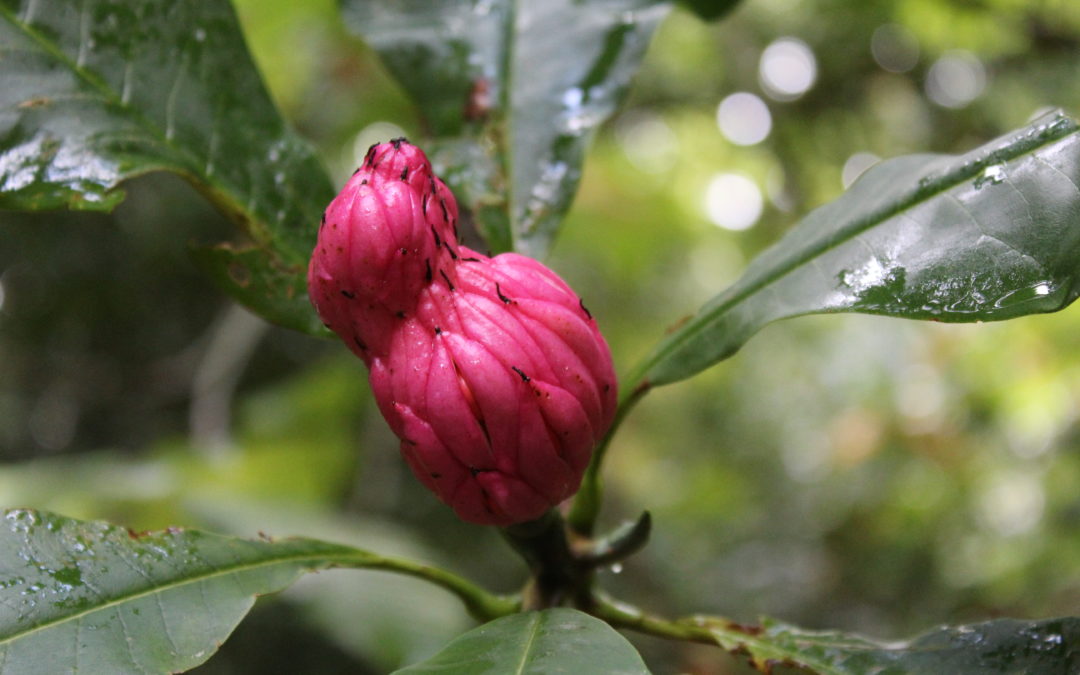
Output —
<point x="490" y="370"/>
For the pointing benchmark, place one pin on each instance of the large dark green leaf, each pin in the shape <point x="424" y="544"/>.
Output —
<point x="1003" y="646"/>
<point x="551" y="641"/>
<point x="993" y="234"/>
<point x="93" y="92"/>
<point x="514" y="89"/>
<point x="95" y="598"/>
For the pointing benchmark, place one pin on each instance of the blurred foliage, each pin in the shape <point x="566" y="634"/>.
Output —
<point x="847" y="472"/>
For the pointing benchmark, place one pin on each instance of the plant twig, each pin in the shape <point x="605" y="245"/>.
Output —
<point x="622" y="615"/>
<point x="481" y="605"/>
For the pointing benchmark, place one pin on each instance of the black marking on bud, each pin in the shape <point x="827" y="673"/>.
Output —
<point x="423" y="203"/>
<point x="438" y="331"/>
<point x="483" y="428"/>
<point x="323" y="221"/>
<point x="438" y="239"/>
<point x="396" y="142"/>
<point x="445" y="213"/>
<point x="473" y="470"/>
<point x="584" y="308"/>
<point x="327" y="325"/>
<point x="400" y="315"/>
<point x="364" y="182"/>
<point x="435" y="475"/>
<point x="403" y="251"/>
<point x="359" y="343"/>
<point x="498" y="292"/>
<point x="369" y="158"/>
<point x="524" y="377"/>
<point x="405" y="174"/>
<point x="434" y="188"/>
<point x="348" y="294"/>
<point x="447" y="280"/>
<point x="357" y="170"/>
<point x="470" y="259"/>
<point x="427" y="270"/>
<point x="453" y="256"/>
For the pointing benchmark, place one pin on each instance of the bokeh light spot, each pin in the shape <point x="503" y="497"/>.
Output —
<point x="744" y="119"/>
<point x="787" y="69"/>
<point x="1012" y="504"/>
<point x="647" y="141"/>
<point x="733" y="201"/>
<point x="956" y="79"/>
<point x="895" y="48"/>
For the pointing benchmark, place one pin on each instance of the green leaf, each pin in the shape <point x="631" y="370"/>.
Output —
<point x="990" y="235"/>
<point x="551" y="641"/>
<point x="1001" y="646"/>
<point x="95" y="92"/>
<point x="513" y="89"/>
<point x="95" y="598"/>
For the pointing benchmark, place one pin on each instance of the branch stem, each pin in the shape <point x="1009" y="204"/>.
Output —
<point x="481" y="605"/>
<point x="623" y="615"/>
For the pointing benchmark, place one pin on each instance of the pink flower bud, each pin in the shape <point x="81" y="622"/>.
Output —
<point x="490" y="370"/>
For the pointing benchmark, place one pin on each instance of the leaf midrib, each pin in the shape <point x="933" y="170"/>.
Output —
<point x="306" y="560"/>
<point x="529" y="645"/>
<point x="854" y="229"/>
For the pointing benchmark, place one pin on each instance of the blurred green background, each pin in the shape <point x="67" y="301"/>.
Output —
<point x="843" y="472"/>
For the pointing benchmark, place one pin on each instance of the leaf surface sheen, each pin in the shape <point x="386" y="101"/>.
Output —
<point x="93" y="597"/>
<point x="990" y="235"/>
<point x="95" y="92"/>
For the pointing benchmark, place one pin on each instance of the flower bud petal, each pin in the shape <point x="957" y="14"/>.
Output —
<point x="489" y="369"/>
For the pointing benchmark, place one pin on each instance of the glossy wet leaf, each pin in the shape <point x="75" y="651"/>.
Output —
<point x="1001" y="646"/>
<point x="514" y="90"/>
<point x="990" y="235"/>
<point x="537" y="643"/>
<point x="94" y="92"/>
<point x="95" y="598"/>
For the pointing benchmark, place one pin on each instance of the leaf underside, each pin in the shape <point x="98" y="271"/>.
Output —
<point x="993" y="234"/>
<point x="95" y="92"/>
